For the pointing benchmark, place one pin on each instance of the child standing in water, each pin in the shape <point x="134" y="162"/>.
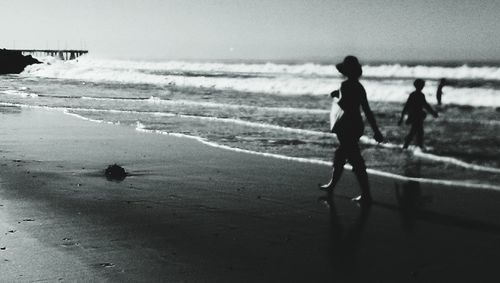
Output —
<point x="350" y="128"/>
<point x="439" y="92"/>
<point x="414" y="107"/>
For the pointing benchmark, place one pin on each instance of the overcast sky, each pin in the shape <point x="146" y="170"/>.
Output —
<point x="253" y="29"/>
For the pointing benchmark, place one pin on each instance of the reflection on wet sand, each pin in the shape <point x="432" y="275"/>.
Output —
<point x="409" y="196"/>
<point x="345" y="239"/>
<point x="411" y="206"/>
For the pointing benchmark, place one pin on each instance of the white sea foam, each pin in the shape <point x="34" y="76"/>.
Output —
<point x="305" y="69"/>
<point x="67" y="112"/>
<point x="286" y="79"/>
<point x="157" y="100"/>
<point x="308" y="69"/>
<point x="432" y="72"/>
<point x="454" y="161"/>
<point x="19" y="92"/>
<point x="454" y="183"/>
<point x="379" y="91"/>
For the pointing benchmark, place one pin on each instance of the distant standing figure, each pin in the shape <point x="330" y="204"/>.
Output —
<point x="414" y="107"/>
<point x="439" y="92"/>
<point x="350" y="128"/>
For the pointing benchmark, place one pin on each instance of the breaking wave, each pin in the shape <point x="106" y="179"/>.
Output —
<point x="382" y="82"/>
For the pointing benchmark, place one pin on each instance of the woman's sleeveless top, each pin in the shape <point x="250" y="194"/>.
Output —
<point x="351" y="123"/>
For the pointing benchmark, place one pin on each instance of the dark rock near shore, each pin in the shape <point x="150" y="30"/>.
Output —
<point x="14" y="62"/>
<point x="115" y="172"/>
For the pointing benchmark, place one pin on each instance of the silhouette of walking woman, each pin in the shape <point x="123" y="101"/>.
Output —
<point x="350" y="128"/>
<point x="439" y="92"/>
<point x="414" y="107"/>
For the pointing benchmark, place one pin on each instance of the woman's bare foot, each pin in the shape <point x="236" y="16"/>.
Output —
<point x="327" y="187"/>
<point x="363" y="200"/>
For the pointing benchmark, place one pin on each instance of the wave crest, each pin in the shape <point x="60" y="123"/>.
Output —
<point x="383" y="83"/>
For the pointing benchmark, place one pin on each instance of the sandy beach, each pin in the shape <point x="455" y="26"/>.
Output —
<point x="192" y="213"/>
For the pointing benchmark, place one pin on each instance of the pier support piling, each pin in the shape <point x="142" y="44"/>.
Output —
<point x="66" y="54"/>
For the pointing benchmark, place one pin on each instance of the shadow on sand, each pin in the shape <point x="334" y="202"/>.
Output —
<point x="345" y="239"/>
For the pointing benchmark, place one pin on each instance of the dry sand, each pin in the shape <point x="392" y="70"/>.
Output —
<point x="192" y="213"/>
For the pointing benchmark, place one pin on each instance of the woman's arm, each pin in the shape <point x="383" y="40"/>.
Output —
<point x="371" y="118"/>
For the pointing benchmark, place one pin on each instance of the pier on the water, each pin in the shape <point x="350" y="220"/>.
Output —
<point x="65" y="54"/>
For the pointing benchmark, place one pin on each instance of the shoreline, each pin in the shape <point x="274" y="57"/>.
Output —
<point x="395" y="176"/>
<point x="194" y="213"/>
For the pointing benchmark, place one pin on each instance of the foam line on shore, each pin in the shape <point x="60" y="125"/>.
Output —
<point x="433" y="157"/>
<point x="453" y="183"/>
<point x="141" y="128"/>
<point x="454" y="161"/>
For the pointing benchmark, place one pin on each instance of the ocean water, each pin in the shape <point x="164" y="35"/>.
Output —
<point x="281" y="109"/>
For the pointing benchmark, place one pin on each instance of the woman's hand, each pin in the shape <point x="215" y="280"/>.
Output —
<point x="379" y="137"/>
<point x="335" y="93"/>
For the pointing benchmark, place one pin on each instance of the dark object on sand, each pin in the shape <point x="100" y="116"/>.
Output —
<point x="14" y="62"/>
<point x="115" y="172"/>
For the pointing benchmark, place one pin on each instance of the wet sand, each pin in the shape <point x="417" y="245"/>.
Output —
<point x="192" y="213"/>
